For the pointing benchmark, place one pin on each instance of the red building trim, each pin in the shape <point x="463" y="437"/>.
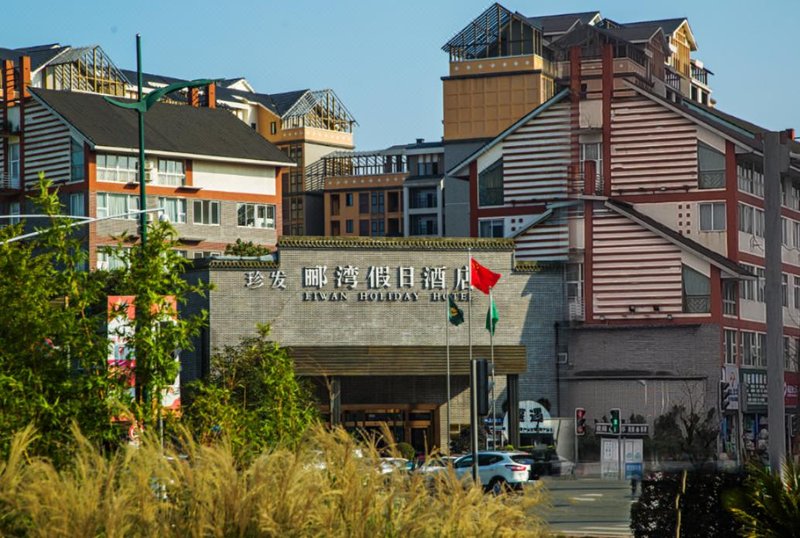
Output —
<point x="608" y="95"/>
<point x="473" y="197"/>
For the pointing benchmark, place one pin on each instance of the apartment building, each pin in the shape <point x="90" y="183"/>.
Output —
<point x="216" y="179"/>
<point x="305" y="124"/>
<point x="653" y="205"/>
<point x="503" y="64"/>
<point x="397" y="191"/>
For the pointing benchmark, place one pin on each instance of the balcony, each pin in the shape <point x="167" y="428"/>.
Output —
<point x="700" y="74"/>
<point x="9" y="183"/>
<point x="423" y="200"/>
<point x="673" y="80"/>
<point x="575" y="309"/>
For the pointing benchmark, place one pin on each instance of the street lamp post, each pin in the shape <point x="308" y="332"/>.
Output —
<point x="142" y="105"/>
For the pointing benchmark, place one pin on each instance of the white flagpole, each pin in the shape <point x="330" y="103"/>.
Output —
<point x="447" y="345"/>
<point x="491" y="347"/>
<point x="473" y="392"/>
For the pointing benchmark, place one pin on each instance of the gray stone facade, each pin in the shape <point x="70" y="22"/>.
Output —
<point x="528" y="302"/>
<point x="641" y="370"/>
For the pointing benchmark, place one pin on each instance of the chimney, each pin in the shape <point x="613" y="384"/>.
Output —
<point x="211" y="95"/>
<point x="194" y="97"/>
<point x="24" y="76"/>
<point x="420" y="140"/>
<point x="8" y="81"/>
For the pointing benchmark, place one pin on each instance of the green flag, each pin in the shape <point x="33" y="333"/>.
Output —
<point x="492" y="317"/>
<point x="454" y="313"/>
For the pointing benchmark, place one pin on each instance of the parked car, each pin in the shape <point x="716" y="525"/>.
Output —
<point x="389" y="465"/>
<point x="435" y="465"/>
<point x="498" y="470"/>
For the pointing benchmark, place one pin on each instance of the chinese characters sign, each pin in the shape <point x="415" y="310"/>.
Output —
<point x="375" y="283"/>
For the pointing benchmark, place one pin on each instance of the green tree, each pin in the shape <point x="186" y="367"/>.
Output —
<point x="53" y="341"/>
<point x="769" y="504"/>
<point x="246" y="248"/>
<point x="251" y="396"/>
<point x="686" y="434"/>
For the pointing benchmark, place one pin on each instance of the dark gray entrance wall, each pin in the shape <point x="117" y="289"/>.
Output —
<point x="529" y="303"/>
<point x="642" y="370"/>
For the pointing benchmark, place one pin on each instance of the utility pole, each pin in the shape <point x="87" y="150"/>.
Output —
<point x="776" y="165"/>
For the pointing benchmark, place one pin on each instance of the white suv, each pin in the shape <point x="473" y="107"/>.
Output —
<point x="497" y="470"/>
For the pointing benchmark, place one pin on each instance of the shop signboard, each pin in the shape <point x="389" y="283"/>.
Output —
<point x="753" y="385"/>
<point x="791" y="384"/>
<point x="730" y="375"/>
<point x="533" y="418"/>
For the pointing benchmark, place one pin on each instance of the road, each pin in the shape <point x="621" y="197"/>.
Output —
<point x="588" y="506"/>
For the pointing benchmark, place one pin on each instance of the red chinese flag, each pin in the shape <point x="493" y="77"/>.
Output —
<point x="482" y="278"/>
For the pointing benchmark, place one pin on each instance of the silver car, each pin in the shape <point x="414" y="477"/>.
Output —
<point x="498" y="470"/>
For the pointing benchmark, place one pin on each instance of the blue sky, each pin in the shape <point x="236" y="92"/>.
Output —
<point x="384" y="59"/>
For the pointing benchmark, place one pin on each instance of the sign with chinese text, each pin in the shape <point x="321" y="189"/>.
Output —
<point x="753" y="384"/>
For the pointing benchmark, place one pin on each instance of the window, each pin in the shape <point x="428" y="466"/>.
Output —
<point x="377" y="203"/>
<point x="711" y="167"/>
<point x="14" y="209"/>
<point x="363" y="227"/>
<point x="336" y="228"/>
<point x="729" y="297"/>
<point x="696" y="291"/>
<point x="428" y="165"/>
<point x="748" y="287"/>
<point x="348" y="199"/>
<point x="784" y="231"/>
<point x="423" y="225"/>
<point x="378" y="228"/>
<point x="796" y="290"/>
<point x="206" y="212"/>
<point x="751" y="178"/>
<point x="753" y="349"/>
<point x="758" y="222"/>
<point x="796" y="234"/>
<point x="120" y="168"/>
<point x="423" y="198"/>
<point x="334" y="204"/>
<point x="574" y="282"/>
<point x="363" y="202"/>
<point x="111" y="258"/>
<point x="256" y="215"/>
<point x="785" y="289"/>
<point x="76" y="161"/>
<point x="174" y="209"/>
<point x="746" y="218"/>
<point x="794" y="201"/>
<point x="491" y="228"/>
<point x="348" y="226"/>
<point x="13" y="162"/>
<point x="111" y="205"/>
<point x="593" y="151"/>
<point x="170" y="173"/>
<point x="77" y="208"/>
<point x="490" y="185"/>
<point x="760" y="283"/>
<point x="273" y="127"/>
<point x="791" y="348"/>
<point x="730" y="347"/>
<point x="712" y="217"/>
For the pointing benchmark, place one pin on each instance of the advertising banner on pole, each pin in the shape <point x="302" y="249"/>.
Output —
<point x="122" y="356"/>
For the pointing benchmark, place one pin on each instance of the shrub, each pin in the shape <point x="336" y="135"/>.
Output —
<point x="406" y="451"/>
<point x="331" y="490"/>
<point x="702" y="511"/>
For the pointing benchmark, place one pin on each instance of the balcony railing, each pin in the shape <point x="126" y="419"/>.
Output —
<point x="9" y="183"/>
<point x="700" y="74"/>
<point x="575" y="309"/>
<point x="673" y="80"/>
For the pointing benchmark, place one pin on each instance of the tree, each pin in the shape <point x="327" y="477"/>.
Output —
<point x="769" y="504"/>
<point x="251" y="396"/>
<point x="686" y="434"/>
<point x="246" y="248"/>
<point x="53" y="342"/>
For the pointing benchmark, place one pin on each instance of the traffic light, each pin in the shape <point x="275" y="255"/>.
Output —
<point x="724" y="395"/>
<point x="580" y="421"/>
<point x="614" y="420"/>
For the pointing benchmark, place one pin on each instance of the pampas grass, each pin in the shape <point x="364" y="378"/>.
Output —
<point x="328" y="485"/>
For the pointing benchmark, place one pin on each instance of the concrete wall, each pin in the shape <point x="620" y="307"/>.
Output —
<point x="641" y="370"/>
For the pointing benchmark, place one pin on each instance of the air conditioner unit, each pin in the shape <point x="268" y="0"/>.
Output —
<point x="149" y="164"/>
